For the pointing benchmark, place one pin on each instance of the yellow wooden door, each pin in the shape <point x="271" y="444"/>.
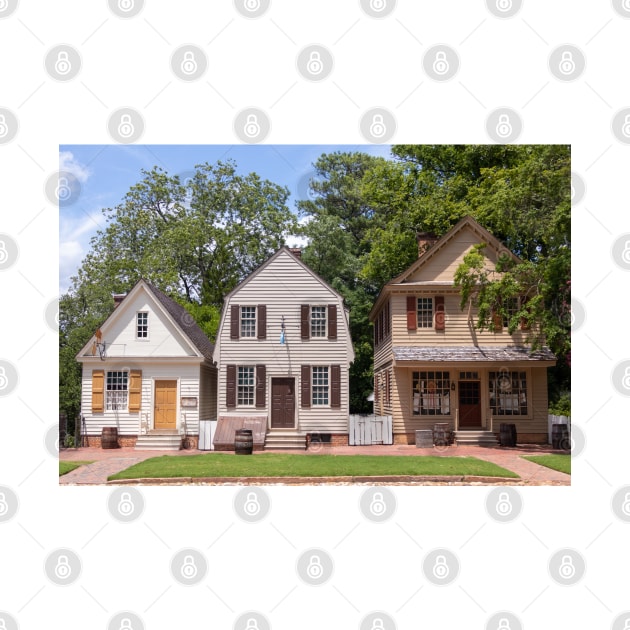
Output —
<point x="165" y="409"/>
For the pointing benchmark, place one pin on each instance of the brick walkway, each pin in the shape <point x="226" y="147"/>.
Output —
<point x="110" y="461"/>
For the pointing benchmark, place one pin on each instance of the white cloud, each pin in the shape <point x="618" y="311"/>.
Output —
<point x="67" y="162"/>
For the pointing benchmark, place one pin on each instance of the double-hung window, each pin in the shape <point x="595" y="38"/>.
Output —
<point x="245" y="385"/>
<point x="116" y="391"/>
<point x="425" y="312"/>
<point x="248" y="321"/>
<point x="142" y="325"/>
<point x="318" y="321"/>
<point x="320" y="391"/>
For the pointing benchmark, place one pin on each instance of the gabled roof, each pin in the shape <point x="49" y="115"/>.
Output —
<point x="176" y="313"/>
<point x="465" y="222"/>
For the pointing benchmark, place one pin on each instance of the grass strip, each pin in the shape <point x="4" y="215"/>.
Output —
<point x="285" y="465"/>
<point x="66" y="467"/>
<point x="562" y="463"/>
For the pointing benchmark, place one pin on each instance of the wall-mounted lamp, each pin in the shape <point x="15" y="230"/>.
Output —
<point x="453" y="386"/>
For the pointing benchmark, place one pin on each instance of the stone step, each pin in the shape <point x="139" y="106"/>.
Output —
<point x="159" y="442"/>
<point x="282" y="441"/>
<point x="479" y="438"/>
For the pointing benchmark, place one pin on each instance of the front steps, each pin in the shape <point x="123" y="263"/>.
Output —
<point x="277" y="440"/>
<point x="159" y="440"/>
<point x="475" y="438"/>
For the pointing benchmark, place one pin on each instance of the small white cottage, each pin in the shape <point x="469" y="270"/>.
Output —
<point x="283" y="352"/>
<point x="148" y="372"/>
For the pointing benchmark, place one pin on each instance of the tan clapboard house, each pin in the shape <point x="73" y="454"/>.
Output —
<point x="432" y="366"/>
<point x="283" y="352"/>
<point x="147" y="373"/>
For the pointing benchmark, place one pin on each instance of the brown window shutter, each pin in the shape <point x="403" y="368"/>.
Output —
<point x="332" y="321"/>
<point x="412" y="312"/>
<point x="261" y="315"/>
<point x="135" y="390"/>
<point x="230" y="386"/>
<point x="261" y="385"/>
<point x="497" y="321"/>
<point x="305" y="386"/>
<point x="98" y="378"/>
<point x="235" y="321"/>
<point x="440" y="318"/>
<point x="305" y="319"/>
<point x="335" y="386"/>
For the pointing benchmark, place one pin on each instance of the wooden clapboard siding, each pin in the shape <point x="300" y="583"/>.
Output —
<point x="283" y="285"/>
<point x="208" y="393"/>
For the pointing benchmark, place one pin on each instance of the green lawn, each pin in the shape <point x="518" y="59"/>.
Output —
<point x="66" y="467"/>
<point x="281" y="465"/>
<point x="557" y="462"/>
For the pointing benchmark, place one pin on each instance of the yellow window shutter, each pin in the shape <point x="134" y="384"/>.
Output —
<point x="135" y="390"/>
<point x="98" y="377"/>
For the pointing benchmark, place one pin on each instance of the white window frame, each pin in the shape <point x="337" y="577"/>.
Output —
<point x="245" y="389"/>
<point x="424" y="317"/>
<point x="320" y="389"/>
<point x="142" y="327"/>
<point x="505" y="400"/>
<point x="319" y="325"/>
<point x="432" y="393"/>
<point x="116" y="398"/>
<point x="247" y="325"/>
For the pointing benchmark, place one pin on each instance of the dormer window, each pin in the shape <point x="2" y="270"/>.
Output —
<point x="142" y="325"/>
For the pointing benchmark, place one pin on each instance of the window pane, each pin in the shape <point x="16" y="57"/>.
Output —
<point x="318" y="321"/>
<point x="431" y="393"/>
<point x="508" y="393"/>
<point x="116" y="391"/>
<point x="425" y="312"/>
<point x="248" y="321"/>
<point x="245" y="386"/>
<point x="320" y="386"/>
<point x="142" y="325"/>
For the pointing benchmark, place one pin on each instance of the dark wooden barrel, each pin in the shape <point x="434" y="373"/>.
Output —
<point x="424" y="438"/>
<point x="109" y="437"/>
<point x="442" y="434"/>
<point x="560" y="437"/>
<point x="507" y="434"/>
<point x="243" y="442"/>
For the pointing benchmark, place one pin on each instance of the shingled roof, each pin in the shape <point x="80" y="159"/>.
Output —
<point x="185" y="321"/>
<point x="471" y="354"/>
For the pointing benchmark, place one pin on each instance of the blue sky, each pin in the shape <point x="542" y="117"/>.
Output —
<point x="106" y="172"/>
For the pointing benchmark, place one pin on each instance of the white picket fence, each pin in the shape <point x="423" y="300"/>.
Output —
<point x="370" y="429"/>
<point x="551" y="420"/>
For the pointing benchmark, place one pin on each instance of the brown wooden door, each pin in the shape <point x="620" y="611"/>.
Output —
<point x="282" y="403"/>
<point x="165" y="406"/>
<point x="469" y="404"/>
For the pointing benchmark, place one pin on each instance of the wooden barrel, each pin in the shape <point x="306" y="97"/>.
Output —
<point x="560" y="437"/>
<point x="109" y="437"/>
<point x="243" y="442"/>
<point x="424" y="438"/>
<point x="442" y="434"/>
<point x="507" y="434"/>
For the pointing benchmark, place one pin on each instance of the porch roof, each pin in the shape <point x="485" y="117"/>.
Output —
<point x="465" y="354"/>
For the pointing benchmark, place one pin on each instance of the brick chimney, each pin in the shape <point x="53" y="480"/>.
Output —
<point x="296" y="251"/>
<point x="425" y="240"/>
<point x="118" y="298"/>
